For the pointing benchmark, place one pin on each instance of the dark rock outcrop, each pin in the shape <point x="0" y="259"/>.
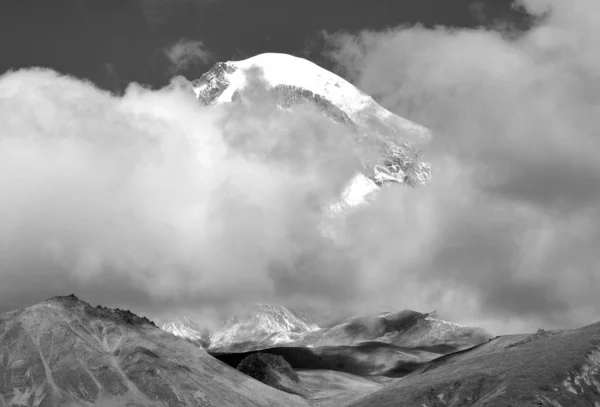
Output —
<point x="272" y="370"/>
<point x="115" y="315"/>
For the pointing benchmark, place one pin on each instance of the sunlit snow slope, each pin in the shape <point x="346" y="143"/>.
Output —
<point x="262" y="326"/>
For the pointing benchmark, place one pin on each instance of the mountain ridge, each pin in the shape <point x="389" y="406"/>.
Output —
<point x="264" y="325"/>
<point x="65" y="353"/>
<point x="551" y="369"/>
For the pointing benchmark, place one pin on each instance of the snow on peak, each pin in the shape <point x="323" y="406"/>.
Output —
<point x="356" y="193"/>
<point x="286" y="70"/>
<point x="186" y="328"/>
<point x="263" y="325"/>
<point x="448" y="324"/>
<point x="390" y="144"/>
<point x="279" y="318"/>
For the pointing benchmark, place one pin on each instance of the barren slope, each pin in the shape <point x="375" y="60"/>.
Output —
<point x="544" y="369"/>
<point x="64" y="352"/>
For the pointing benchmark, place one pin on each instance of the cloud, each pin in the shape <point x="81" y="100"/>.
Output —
<point x="151" y="202"/>
<point x="510" y="226"/>
<point x="186" y="53"/>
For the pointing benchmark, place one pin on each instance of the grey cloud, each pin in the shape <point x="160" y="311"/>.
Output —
<point x="152" y="202"/>
<point x="511" y="217"/>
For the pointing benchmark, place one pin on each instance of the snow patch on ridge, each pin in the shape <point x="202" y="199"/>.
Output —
<point x="266" y="325"/>
<point x="359" y="190"/>
<point x="445" y="323"/>
<point x="186" y="328"/>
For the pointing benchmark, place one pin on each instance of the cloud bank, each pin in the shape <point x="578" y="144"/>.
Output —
<point x="153" y="202"/>
<point x="508" y="230"/>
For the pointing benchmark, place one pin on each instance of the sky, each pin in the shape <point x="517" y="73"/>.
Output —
<point x="115" y="184"/>
<point x="114" y="42"/>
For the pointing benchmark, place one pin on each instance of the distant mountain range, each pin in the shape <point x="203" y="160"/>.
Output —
<point x="65" y="352"/>
<point x="390" y="344"/>
<point x="264" y="326"/>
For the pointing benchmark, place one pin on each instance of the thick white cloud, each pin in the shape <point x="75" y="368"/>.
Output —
<point x="153" y="202"/>
<point x="511" y="222"/>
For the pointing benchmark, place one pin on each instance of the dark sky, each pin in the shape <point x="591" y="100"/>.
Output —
<point x="114" y="42"/>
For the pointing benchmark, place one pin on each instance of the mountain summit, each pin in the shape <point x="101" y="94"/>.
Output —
<point x="262" y="326"/>
<point x="187" y="328"/>
<point x="393" y="140"/>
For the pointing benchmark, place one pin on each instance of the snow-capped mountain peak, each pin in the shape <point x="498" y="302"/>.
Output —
<point x="279" y="318"/>
<point x="263" y="326"/>
<point x="186" y="328"/>
<point x="287" y="70"/>
<point x="394" y="140"/>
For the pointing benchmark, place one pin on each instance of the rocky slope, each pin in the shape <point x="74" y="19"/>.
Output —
<point x="64" y="352"/>
<point x="188" y="329"/>
<point x="261" y="327"/>
<point x="390" y="344"/>
<point x="558" y="369"/>
<point x="405" y="328"/>
<point x="366" y="359"/>
<point x="266" y="326"/>
<point x="274" y="371"/>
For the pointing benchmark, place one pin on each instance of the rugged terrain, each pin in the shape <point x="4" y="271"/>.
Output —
<point x="266" y="326"/>
<point x="391" y="344"/>
<point x="559" y="368"/>
<point x="366" y="359"/>
<point x="369" y="358"/>
<point x="188" y="329"/>
<point x="405" y="328"/>
<point x="262" y="326"/>
<point x="274" y="371"/>
<point x="64" y="352"/>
